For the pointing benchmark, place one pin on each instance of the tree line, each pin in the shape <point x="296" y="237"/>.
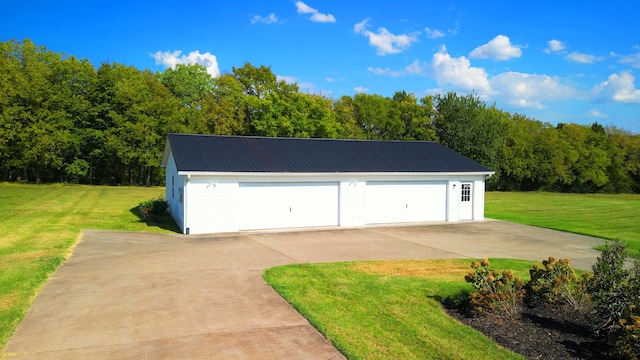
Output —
<point x="64" y="120"/>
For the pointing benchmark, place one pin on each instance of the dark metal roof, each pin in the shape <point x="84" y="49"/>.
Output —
<point x="213" y="153"/>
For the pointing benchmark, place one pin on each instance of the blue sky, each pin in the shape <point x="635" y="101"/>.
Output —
<point x="555" y="61"/>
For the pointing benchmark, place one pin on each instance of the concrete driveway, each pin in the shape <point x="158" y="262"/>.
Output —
<point x="135" y="296"/>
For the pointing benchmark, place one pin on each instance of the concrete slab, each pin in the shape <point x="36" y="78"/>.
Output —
<point x="131" y="295"/>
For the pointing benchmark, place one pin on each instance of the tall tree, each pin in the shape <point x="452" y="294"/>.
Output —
<point x="466" y="125"/>
<point x="344" y="114"/>
<point x="190" y="84"/>
<point x="377" y="117"/>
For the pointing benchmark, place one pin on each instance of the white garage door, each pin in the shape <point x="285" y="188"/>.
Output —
<point x="284" y="205"/>
<point x="395" y="202"/>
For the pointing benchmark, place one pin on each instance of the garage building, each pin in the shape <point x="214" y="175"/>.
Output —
<point x="233" y="183"/>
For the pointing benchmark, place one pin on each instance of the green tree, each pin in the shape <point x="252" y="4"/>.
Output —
<point x="377" y="117"/>
<point x="343" y="110"/>
<point x="190" y="85"/>
<point x="586" y="158"/>
<point x="224" y="107"/>
<point x="415" y="116"/>
<point x="624" y="152"/>
<point x="466" y="125"/>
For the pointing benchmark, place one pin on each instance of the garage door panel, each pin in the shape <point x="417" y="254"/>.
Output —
<point x="282" y="205"/>
<point x="394" y="202"/>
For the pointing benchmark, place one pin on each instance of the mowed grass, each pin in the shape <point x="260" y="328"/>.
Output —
<point x="606" y="216"/>
<point x="39" y="225"/>
<point x="389" y="309"/>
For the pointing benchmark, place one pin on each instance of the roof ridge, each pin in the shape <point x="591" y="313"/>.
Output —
<point x="301" y="138"/>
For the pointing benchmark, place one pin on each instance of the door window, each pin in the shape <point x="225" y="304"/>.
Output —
<point x="466" y="193"/>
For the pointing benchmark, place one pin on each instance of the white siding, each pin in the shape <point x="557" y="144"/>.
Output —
<point x="478" y="199"/>
<point x="174" y="190"/>
<point x="453" y="202"/>
<point x="352" y="202"/>
<point x="397" y="201"/>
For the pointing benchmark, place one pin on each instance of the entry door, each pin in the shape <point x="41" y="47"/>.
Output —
<point x="466" y="202"/>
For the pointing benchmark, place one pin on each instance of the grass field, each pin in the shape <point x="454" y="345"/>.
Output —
<point x="601" y="215"/>
<point x="389" y="309"/>
<point x="40" y="223"/>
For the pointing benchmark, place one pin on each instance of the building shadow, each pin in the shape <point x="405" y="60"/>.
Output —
<point x="163" y="221"/>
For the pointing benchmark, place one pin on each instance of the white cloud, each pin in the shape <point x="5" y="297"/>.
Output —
<point x="516" y="89"/>
<point x="596" y="114"/>
<point x="303" y="86"/>
<point x="529" y="90"/>
<point x="554" y="46"/>
<point x="287" y="79"/>
<point x="269" y="19"/>
<point x="171" y="59"/>
<point x="633" y="60"/>
<point x="500" y="48"/>
<point x="384" y="41"/>
<point x="360" y="27"/>
<point x="415" y="68"/>
<point x="386" y="71"/>
<point x="618" y="87"/>
<point x="455" y="30"/>
<point x="360" y="89"/>
<point x="434" y="34"/>
<point x="458" y="72"/>
<point x="583" y="58"/>
<point x="316" y="16"/>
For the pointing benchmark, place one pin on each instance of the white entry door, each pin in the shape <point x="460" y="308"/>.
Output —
<point x="284" y="205"/>
<point x="407" y="201"/>
<point x="465" y="209"/>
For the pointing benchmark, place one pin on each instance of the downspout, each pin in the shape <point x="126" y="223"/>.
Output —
<point x="185" y="204"/>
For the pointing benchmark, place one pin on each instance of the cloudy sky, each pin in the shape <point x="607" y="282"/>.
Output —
<point x="556" y="61"/>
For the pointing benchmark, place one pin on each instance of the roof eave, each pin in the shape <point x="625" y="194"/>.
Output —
<point x="332" y="174"/>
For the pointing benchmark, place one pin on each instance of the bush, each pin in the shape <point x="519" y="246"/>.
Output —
<point x="615" y="290"/>
<point x="627" y="343"/>
<point x="152" y="209"/>
<point x="557" y="282"/>
<point x="608" y="287"/>
<point x="497" y="293"/>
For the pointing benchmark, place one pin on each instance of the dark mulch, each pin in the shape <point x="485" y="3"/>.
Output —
<point x="542" y="332"/>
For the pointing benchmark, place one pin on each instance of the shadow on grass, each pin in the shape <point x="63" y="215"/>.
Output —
<point x="164" y="221"/>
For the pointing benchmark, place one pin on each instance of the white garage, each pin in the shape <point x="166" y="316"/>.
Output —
<point x="232" y="183"/>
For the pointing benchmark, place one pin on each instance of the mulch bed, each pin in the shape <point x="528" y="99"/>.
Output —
<point x="541" y="332"/>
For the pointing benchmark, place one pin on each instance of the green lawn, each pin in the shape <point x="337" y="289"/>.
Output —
<point x="40" y="223"/>
<point x="388" y="310"/>
<point x="353" y="304"/>
<point x="602" y="215"/>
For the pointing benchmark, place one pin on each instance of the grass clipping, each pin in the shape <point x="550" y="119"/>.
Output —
<point x="441" y="269"/>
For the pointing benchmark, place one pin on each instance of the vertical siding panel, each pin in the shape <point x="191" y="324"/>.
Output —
<point x="352" y="202"/>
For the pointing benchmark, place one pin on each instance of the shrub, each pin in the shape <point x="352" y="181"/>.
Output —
<point x="627" y="343"/>
<point x="608" y="287"/>
<point x="497" y="293"/>
<point x="615" y="290"/>
<point x="556" y="282"/>
<point x="153" y="208"/>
